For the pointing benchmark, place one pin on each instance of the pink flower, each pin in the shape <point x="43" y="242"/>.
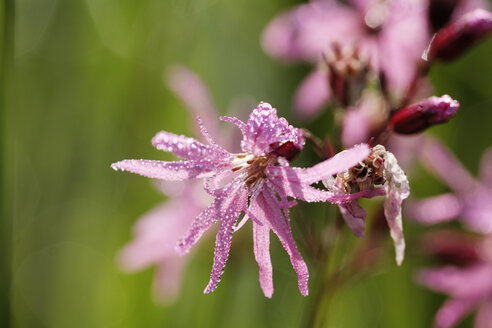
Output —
<point x="257" y="181"/>
<point x="470" y="199"/>
<point x="376" y="27"/>
<point x="157" y="232"/>
<point x="378" y="174"/>
<point x="469" y="288"/>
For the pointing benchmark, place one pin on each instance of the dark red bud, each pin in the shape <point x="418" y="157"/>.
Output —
<point x="419" y="116"/>
<point x="456" y="38"/>
<point x="288" y="150"/>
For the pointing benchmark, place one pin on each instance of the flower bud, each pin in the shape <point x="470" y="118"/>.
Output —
<point x="347" y="73"/>
<point x="419" y="116"/>
<point x="456" y="38"/>
<point x="288" y="150"/>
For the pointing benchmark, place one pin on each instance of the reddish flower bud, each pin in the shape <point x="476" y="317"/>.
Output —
<point x="419" y="116"/>
<point x="456" y="38"/>
<point x="347" y="73"/>
<point x="288" y="150"/>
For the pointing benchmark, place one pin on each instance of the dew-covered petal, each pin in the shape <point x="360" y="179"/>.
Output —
<point x="338" y="163"/>
<point x="444" y="165"/>
<point x="185" y="147"/>
<point x="261" y="249"/>
<point x="354" y="216"/>
<point x="287" y="182"/>
<point x="435" y="209"/>
<point x="265" y="128"/>
<point x="172" y="171"/>
<point x="281" y="226"/>
<point x="313" y="93"/>
<point x="219" y="208"/>
<point x="233" y="204"/>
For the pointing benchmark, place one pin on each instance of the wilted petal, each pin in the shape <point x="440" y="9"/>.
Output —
<point x="397" y="190"/>
<point x="434" y="210"/>
<point x="313" y="93"/>
<point x="172" y="171"/>
<point x="354" y="216"/>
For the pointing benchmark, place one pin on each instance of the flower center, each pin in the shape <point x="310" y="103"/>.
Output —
<point x="254" y="167"/>
<point x="366" y="175"/>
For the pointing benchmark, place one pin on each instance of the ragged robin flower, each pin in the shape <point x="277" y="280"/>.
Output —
<point x="257" y="181"/>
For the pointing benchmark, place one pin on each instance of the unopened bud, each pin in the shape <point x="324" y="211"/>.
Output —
<point x="288" y="150"/>
<point x="456" y="38"/>
<point x="348" y="72"/>
<point x="419" y="116"/>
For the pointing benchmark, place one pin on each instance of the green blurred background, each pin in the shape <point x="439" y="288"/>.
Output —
<point x="83" y="87"/>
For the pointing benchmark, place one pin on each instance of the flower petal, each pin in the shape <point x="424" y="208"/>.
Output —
<point x="185" y="147"/>
<point x="338" y="163"/>
<point x="261" y="248"/>
<point x="434" y="210"/>
<point x="281" y="226"/>
<point x="445" y="166"/>
<point x="194" y="94"/>
<point x="392" y="212"/>
<point x="313" y="93"/>
<point x="234" y="203"/>
<point x="452" y="311"/>
<point x="486" y="169"/>
<point x="354" y="216"/>
<point x="172" y="171"/>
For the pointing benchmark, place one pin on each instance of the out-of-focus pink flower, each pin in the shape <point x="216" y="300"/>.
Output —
<point x="368" y="117"/>
<point x="379" y="173"/>
<point x="257" y="181"/>
<point x="157" y="232"/>
<point x="469" y="288"/>
<point x="376" y="27"/>
<point x="470" y="199"/>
